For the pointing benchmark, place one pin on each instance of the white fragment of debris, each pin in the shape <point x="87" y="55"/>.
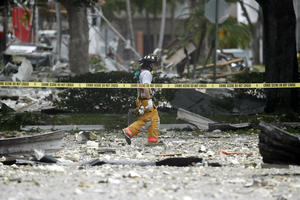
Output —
<point x="80" y="137"/>
<point x="114" y="181"/>
<point x="203" y="148"/>
<point x="2" y="158"/>
<point x="51" y="168"/>
<point x="294" y="185"/>
<point x="24" y="71"/>
<point x="237" y="180"/>
<point x="38" y="153"/>
<point x="187" y="198"/>
<point x="84" y="136"/>
<point x="217" y="131"/>
<point x="92" y="144"/>
<point x="133" y="174"/>
<point x="59" y="66"/>
<point x="78" y="191"/>
<point x="235" y="161"/>
<point x="64" y="161"/>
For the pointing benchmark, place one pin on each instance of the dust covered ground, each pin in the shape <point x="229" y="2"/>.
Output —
<point x="241" y="175"/>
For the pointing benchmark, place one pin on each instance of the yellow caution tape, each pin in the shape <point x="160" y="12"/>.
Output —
<point x="156" y="85"/>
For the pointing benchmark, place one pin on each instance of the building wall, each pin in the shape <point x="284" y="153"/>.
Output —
<point x="147" y="42"/>
<point x="251" y="7"/>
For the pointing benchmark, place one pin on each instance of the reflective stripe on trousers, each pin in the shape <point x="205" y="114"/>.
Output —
<point x="152" y="130"/>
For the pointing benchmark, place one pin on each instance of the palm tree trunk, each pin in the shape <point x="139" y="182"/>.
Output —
<point x="129" y="15"/>
<point x="5" y="25"/>
<point x="148" y="35"/>
<point x="58" y="31"/>
<point x="162" y="25"/>
<point x="172" y="22"/>
<point x="79" y="38"/>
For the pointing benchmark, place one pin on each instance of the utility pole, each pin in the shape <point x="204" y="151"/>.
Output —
<point x="216" y="39"/>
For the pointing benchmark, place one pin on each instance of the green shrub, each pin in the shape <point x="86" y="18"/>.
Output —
<point x="105" y="100"/>
<point x="252" y="77"/>
<point x="95" y="63"/>
<point x="14" y="121"/>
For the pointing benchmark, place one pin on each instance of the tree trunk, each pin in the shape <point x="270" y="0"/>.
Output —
<point x="79" y="38"/>
<point x="58" y="31"/>
<point x="129" y="15"/>
<point x="280" y="53"/>
<point x="200" y="47"/>
<point x="258" y="36"/>
<point x="5" y="25"/>
<point x="148" y="34"/>
<point x="254" y="33"/>
<point x="172" y="22"/>
<point x="162" y="25"/>
<point x="155" y="29"/>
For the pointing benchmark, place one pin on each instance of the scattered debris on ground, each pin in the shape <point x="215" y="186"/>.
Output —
<point x="216" y="102"/>
<point x="227" y="126"/>
<point x="225" y="167"/>
<point x="195" y="119"/>
<point x="25" y="145"/>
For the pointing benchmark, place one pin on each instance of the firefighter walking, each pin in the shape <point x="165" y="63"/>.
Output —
<point x="145" y="106"/>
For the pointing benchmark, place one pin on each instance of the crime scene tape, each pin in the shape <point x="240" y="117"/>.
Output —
<point x="155" y="85"/>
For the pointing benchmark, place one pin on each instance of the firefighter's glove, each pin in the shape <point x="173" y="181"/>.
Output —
<point x="150" y="104"/>
<point x="141" y="110"/>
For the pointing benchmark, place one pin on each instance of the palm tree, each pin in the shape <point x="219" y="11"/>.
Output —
<point x="79" y="35"/>
<point x="200" y="31"/>
<point x="162" y="26"/>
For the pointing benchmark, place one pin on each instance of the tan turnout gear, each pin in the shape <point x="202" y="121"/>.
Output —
<point x="150" y="115"/>
<point x="149" y="112"/>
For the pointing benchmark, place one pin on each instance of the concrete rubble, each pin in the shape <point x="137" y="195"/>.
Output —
<point x="195" y="119"/>
<point x="28" y="99"/>
<point x="235" y="172"/>
<point x="25" y="145"/>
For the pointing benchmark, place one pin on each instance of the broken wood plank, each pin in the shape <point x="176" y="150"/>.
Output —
<point x="235" y="153"/>
<point x="278" y="146"/>
<point x="179" y="55"/>
<point x="193" y="118"/>
<point x="226" y="74"/>
<point x="227" y="126"/>
<point x="223" y="64"/>
<point x="49" y="142"/>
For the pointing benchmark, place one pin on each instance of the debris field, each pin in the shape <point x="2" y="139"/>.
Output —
<point x="231" y="168"/>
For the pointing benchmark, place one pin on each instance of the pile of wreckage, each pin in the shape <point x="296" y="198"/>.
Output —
<point x="229" y="63"/>
<point x="276" y="146"/>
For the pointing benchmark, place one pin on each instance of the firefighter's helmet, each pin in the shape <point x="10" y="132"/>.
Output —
<point x="146" y="61"/>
